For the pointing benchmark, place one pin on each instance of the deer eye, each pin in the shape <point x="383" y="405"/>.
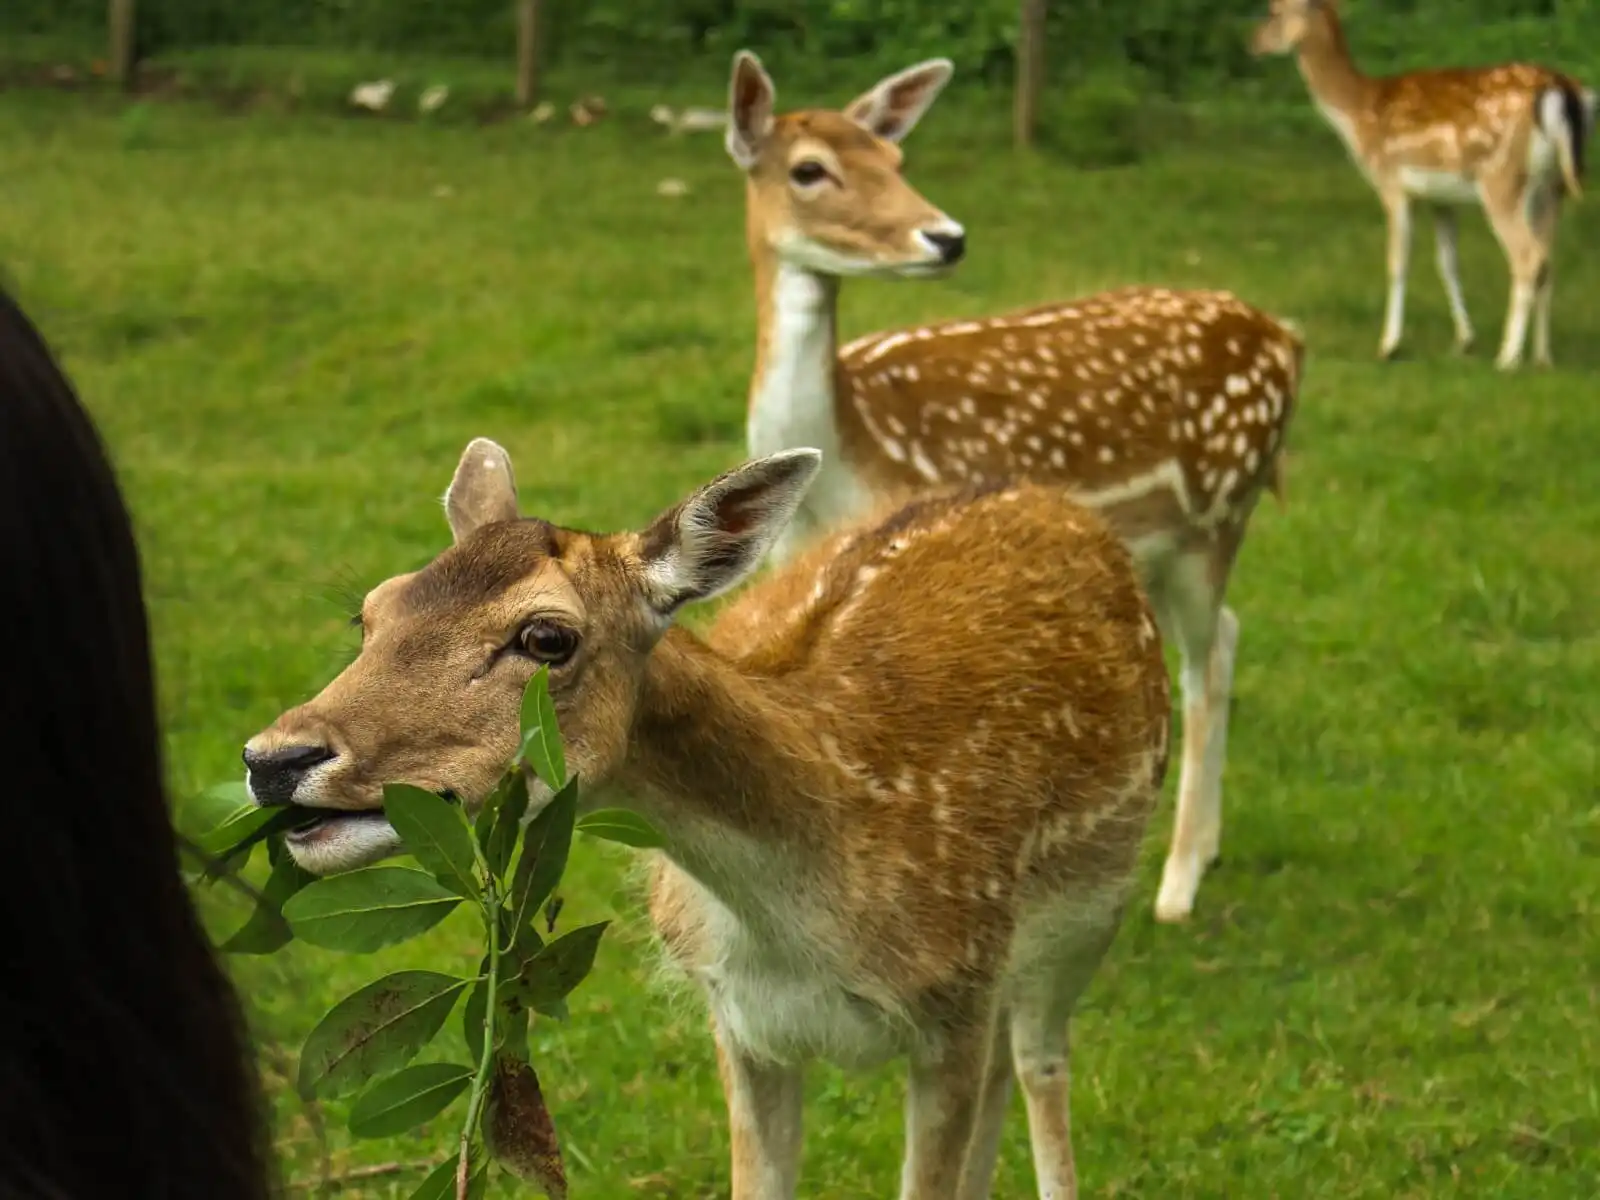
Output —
<point x="808" y="171"/>
<point x="546" y="642"/>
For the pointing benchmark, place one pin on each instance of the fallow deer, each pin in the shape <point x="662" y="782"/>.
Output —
<point x="1509" y="138"/>
<point x="902" y="784"/>
<point x="1164" y="410"/>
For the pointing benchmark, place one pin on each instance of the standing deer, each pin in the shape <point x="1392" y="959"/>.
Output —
<point x="1510" y="138"/>
<point x="1164" y="410"/>
<point x="902" y="785"/>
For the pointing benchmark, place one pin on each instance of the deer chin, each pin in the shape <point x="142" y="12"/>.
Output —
<point x="920" y="270"/>
<point x="342" y="840"/>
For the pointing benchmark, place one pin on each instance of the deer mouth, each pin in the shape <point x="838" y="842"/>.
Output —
<point x="320" y="824"/>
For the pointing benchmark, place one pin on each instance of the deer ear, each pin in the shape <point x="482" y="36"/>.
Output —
<point x="483" y="491"/>
<point x="719" y="535"/>
<point x="750" y="99"/>
<point x="893" y="107"/>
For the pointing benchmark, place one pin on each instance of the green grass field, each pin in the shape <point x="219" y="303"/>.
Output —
<point x="288" y="327"/>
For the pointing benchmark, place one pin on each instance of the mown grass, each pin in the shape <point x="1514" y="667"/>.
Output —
<point x="288" y="328"/>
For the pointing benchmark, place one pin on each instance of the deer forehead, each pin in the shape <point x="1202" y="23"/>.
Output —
<point x="832" y="136"/>
<point x="498" y="577"/>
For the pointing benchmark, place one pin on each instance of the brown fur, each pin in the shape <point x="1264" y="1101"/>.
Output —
<point x="903" y="782"/>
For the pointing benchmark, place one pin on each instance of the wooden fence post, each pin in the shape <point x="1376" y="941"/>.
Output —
<point x="527" y="53"/>
<point x="120" y="50"/>
<point x="1030" y="71"/>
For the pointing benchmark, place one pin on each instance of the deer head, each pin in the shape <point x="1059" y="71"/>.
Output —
<point x="825" y="189"/>
<point x="1287" y="23"/>
<point x="433" y="698"/>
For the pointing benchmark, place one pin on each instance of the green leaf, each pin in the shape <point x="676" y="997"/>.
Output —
<point x="407" y="1098"/>
<point x="541" y="739"/>
<point x="368" y="909"/>
<point x="544" y="857"/>
<point x="435" y="834"/>
<point x="229" y="844"/>
<point x="376" y="1029"/>
<point x="266" y="930"/>
<point x="502" y="841"/>
<point x="551" y="974"/>
<point x="441" y="1181"/>
<point x="512" y="1028"/>
<point x="210" y="808"/>
<point x="472" y="1018"/>
<point x="621" y="825"/>
<point x="483" y="824"/>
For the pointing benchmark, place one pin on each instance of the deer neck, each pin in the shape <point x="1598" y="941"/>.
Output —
<point x="792" y="393"/>
<point x="726" y="766"/>
<point x="1336" y="84"/>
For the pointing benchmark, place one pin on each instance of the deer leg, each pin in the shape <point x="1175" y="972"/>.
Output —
<point x="1545" y="218"/>
<point x="977" y="1175"/>
<point x="1444" y="235"/>
<point x="942" y="1112"/>
<point x="1529" y="262"/>
<point x="1191" y="614"/>
<point x="1219" y="694"/>
<point x="1040" y="1045"/>
<point x="1398" y="209"/>
<point x="763" y="1123"/>
<point x="795" y="537"/>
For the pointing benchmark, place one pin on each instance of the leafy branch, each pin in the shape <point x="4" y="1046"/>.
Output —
<point x="508" y="867"/>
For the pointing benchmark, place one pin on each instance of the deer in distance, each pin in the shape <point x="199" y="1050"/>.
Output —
<point x="1509" y="139"/>
<point x="902" y="783"/>
<point x="1164" y="410"/>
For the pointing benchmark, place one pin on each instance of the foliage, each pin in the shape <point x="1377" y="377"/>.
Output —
<point x="1176" y="45"/>
<point x="369" y="1039"/>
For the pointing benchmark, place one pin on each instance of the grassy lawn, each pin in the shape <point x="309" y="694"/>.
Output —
<point x="289" y="327"/>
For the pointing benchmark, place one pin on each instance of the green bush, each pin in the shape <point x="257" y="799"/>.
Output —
<point x="1179" y="47"/>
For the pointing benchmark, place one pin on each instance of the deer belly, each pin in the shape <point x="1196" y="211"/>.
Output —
<point x="1442" y="187"/>
<point x="789" y="1019"/>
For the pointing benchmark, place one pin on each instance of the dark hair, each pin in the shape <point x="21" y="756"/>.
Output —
<point x="123" y="1056"/>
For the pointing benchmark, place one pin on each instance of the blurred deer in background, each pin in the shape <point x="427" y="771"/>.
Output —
<point x="1508" y="138"/>
<point x="1164" y="410"/>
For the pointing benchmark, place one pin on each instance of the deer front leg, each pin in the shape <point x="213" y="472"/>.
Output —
<point x="1398" y="209"/>
<point x="943" y="1102"/>
<point x="1444" y="234"/>
<point x="764" y="1102"/>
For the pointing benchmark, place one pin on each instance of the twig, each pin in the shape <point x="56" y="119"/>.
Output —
<point x="491" y="922"/>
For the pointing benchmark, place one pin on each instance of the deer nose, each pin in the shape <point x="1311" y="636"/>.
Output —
<point x="951" y="246"/>
<point x="275" y="774"/>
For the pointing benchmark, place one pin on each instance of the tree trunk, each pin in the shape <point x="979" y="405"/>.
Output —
<point x="120" y="50"/>
<point x="1030" y="71"/>
<point x="527" y="53"/>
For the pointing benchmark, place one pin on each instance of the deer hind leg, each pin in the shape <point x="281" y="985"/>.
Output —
<point x="1545" y="218"/>
<point x="1513" y="215"/>
<point x="1189" y="607"/>
<point x="944" y="1095"/>
<point x="764" y="1102"/>
<point x="1041" y="1013"/>
<point x="1444" y="235"/>
<point x="1398" y="209"/>
<point x="977" y="1175"/>
<point x="794" y="539"/>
